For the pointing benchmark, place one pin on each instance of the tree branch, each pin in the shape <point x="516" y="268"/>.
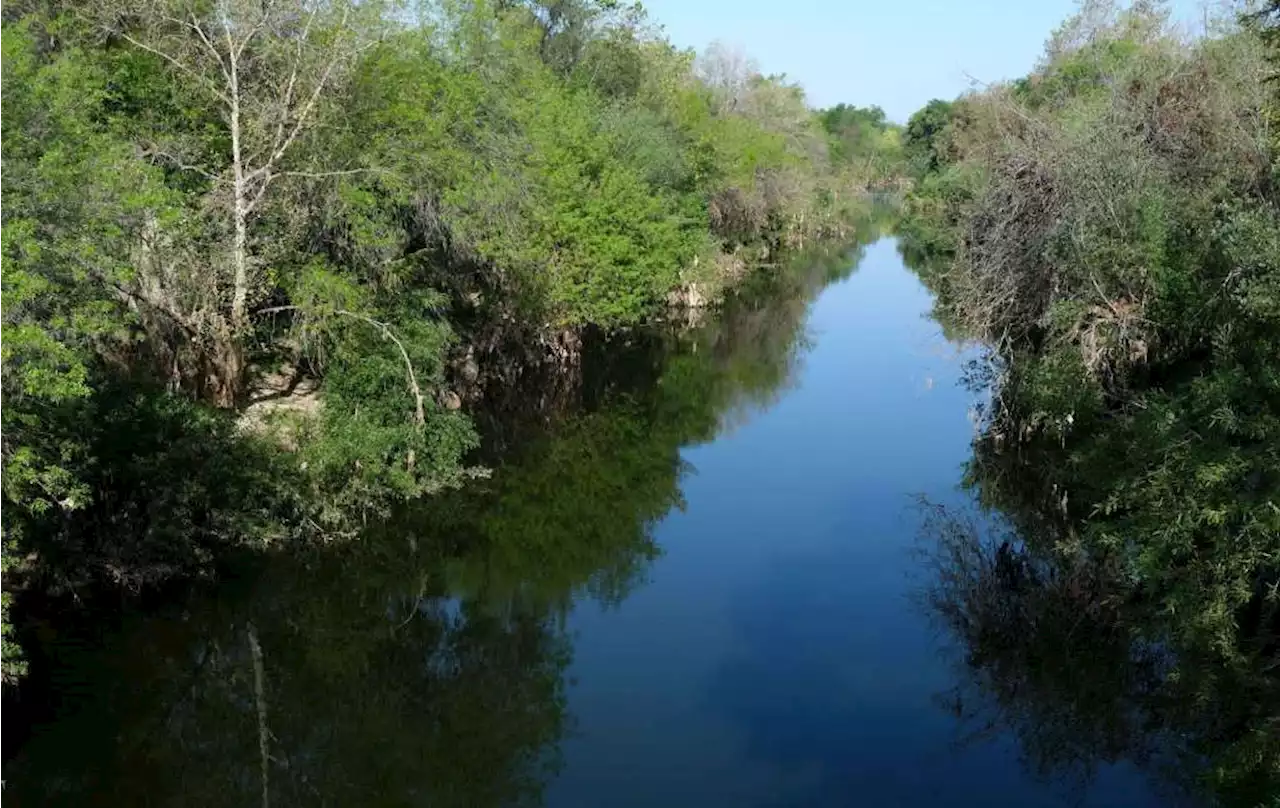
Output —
<point x="260" y="699"/>
<point x="178" y="318"/>
<point x="287" y="101"/>
<point x="305" y="113"/>
<point x="315" y="175"/>
<point x="179" y="65"/>
<point x="258" y="26"/>
<point x="177" y="163"/>
<point x="419" y="402"/>
<point x="262" y="190"/>
<point x="194" y="25"/>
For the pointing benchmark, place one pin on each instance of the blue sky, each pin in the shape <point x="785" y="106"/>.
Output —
<point x="895" y="53"/>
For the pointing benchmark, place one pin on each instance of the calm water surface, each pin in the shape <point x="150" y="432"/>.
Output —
<point x="697" y="586"/>
<point x="778" y="655"/>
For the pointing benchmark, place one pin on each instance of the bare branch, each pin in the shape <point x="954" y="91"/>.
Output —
<point x="315" y="175"/>
<point x="259" y="695"/>
<point x="194" y="25"/>
<point x="261" y="23"/>
<point x="419" y="411"/>
<point x="232" y="53"/>
<point x="179" y="65"/>
<point x="287" y="102"/>
<point x="265" y="182"/>
<point x="177" y="162"/>
<point x="129" y="294"/>
<point x="278" y="143"/>
<point x="305" y="113"/>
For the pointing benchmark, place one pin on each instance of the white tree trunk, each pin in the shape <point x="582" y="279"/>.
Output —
<point x="240" y="248"/>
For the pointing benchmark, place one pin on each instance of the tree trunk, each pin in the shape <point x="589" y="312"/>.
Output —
<point x="240" y="212"/>
<point x="226" y="376"/>
<point x="229" y="359"/>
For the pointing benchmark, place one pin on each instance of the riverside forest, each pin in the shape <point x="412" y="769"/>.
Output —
<point x="493" y="403"/>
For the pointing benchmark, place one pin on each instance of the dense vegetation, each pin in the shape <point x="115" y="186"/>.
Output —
<point x="257" y="255"/>
<point x="425" y="662"/>
<point x="1109" y="226"/>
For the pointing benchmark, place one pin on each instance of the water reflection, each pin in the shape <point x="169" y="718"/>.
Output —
<point x="1063" y="652"/>
<point x="1046" y="652"/>
<point x="349" y="678"/>
<point x="423" y="664"/>
<point x="773" y="659"/>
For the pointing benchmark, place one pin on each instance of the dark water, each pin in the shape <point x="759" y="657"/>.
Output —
<point x="699" y="585"/>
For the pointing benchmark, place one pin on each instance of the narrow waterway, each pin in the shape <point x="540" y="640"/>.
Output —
<point x="701" y="588"/>
<point x="779" y="654"/>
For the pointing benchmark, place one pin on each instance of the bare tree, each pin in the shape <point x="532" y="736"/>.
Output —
<point x="728" y="73"/>
<point x="267" y="67"/>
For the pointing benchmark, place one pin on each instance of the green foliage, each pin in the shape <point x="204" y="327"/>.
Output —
<point x="570" y="512"/>
<point x="924" y="140"/>
<point x="1109" y="226"/>
<point x="929" y="223"/>
<point x="1094" y="683"/>
<point x="855" y="130"/>
<point x="607" y="245"/>
<point x="426" y="661"/>
<point x="943" y="188"/>
<point x="378" y="687"/>
<point x="864" y="141"/>
<point x="1081" y="74"/>
<point x="363" y="452"/>
<point x="592" y="192"/>
<point x="249" y="246"/>
<point x="63" y="172"/>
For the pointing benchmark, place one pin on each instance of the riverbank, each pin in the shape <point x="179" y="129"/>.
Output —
<point x="1108" y="225"/>
<point x="707" y="570"/>
<point x="257" y="313"/>
<point x="578" y="479"/>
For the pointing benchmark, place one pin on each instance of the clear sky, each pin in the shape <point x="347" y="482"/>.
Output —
<point x="894" y="53"/>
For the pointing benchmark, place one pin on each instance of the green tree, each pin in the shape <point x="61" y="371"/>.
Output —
<point x="924" y="139"/>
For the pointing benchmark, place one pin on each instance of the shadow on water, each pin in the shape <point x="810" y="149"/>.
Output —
<point x="425" y="661"/>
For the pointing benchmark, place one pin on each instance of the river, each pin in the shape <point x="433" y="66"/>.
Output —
<point x="701" y="585"/>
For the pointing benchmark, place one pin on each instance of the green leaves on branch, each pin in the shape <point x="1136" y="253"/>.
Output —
<point x="244" y="242"/>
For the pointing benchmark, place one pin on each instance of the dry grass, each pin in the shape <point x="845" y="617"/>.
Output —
<point x="1083" y="190"/>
